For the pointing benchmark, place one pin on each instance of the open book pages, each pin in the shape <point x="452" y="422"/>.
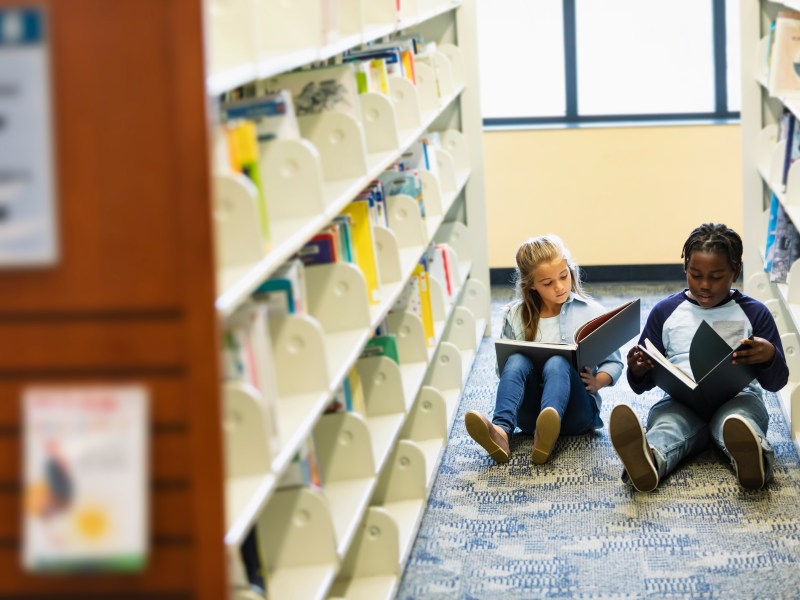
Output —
<point x="654" y="353"/>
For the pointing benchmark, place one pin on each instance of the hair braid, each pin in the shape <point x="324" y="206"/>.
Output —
<point x="715" y="237"/>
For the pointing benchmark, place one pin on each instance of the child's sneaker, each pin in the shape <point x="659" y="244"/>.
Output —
<point x="628" y="439"/>
<point x="488" y="435"/>
<point x="744" y="445"/>
<point x="548" y="426"/>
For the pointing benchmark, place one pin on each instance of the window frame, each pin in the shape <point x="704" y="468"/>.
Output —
<point x="720" y="114"/>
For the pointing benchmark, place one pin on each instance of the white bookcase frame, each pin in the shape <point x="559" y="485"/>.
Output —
<point x="762" y="163"/>
<point x="351" y="539"/>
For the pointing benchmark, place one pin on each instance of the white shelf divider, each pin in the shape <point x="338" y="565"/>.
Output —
<point x="298" y="543"/>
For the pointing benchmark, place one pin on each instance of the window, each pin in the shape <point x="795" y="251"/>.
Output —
<point x="579" y="61"/>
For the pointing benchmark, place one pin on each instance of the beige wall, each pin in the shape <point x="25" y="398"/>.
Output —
<point x="627" y="195"/>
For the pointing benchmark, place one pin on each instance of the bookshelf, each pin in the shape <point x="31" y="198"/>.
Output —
<point x="352" y="537"/>
<point x="136" y="296"/>
<point x="762" y="160"/>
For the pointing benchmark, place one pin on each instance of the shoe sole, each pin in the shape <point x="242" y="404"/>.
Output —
<point x="479" y="431"/>
<point x="548" y="426"/>
<point x="745" y="449"/>
<point x="631" y="445"/>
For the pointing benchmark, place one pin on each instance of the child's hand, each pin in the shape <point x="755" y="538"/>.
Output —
<point x="589" y="380"/>
<point x="638" y="362"/>
<point x="594" y="382"/>
<point x="757" y="351"/>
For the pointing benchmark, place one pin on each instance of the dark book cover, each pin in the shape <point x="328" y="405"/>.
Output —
<point x="716" y="380"/>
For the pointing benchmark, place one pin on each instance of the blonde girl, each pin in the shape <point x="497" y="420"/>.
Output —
<point x="549" y="305"/>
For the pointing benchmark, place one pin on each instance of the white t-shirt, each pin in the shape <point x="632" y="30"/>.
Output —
<point x="548" y="331"/>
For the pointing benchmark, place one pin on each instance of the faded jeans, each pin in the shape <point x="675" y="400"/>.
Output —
<point x="676" y="432"/>
<point x="522" y="394"/>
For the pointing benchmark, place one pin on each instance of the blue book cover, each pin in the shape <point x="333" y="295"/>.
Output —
<point x="772" y="226"/>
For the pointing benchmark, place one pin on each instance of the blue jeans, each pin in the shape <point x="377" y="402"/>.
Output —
<point x="676" y="432"/>
<point x="523" y="393"/>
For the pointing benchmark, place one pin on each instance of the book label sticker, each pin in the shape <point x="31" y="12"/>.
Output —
<point x="27" y="195"/>
<point x="85" y="477"/>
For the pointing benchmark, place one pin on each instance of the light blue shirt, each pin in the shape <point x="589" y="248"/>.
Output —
<point x="576" y="311"/>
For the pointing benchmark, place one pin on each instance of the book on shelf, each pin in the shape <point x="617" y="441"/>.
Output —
<point x="248" y="357"/>
<point x="772" y="228"/>
<point x="789" y="132"/>
<point x="785" y="247"/>
<point x="416" y="299"/>
<point x="244" y="158"/>
<point x="382" y="345"/>
<point x="315" y="91"/>
<point x="391" y="58"/>
<point x="272" y="114"/>
<point x="285" y="291"/>
<point x="714" y="379"/>
<point x="444" y="268"/>
<point x="253" y="563"/>
<point x="85" y="478"/>
<point x="784" y="65"/>
<point x="594" y="340"/>
<point x="321" y="249"/>
<point x="304" y="468"/>
<point x="343" y="224"/>
<point x="355" y="387"/>
<point x="408" y="183"/>
<point x="415" y="157"/>
<point x="364" y="244"/>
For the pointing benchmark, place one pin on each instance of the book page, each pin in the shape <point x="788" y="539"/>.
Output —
<point x="653" y="352"/>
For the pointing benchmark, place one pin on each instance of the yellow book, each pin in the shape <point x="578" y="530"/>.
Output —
<point x="357" y="398"/>
<point x="426" y="309"/>
<point x="243" y="150"/>
<point x="380" y="75"/>
<point x="364" y="243"/>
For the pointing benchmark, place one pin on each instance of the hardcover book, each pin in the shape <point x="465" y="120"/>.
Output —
<point x="594" y="340"/>
<point x="714" y="379"/>
<point x="784" y="67"/>
<point x="318" y="90"/>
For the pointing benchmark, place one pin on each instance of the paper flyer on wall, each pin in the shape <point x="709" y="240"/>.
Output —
<point x="85" y="478"/>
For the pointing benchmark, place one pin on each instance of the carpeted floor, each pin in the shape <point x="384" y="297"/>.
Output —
<point x="572" y="529"/>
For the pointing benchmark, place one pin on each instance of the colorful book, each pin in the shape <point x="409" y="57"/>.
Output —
<point x="781" y="256"/>
<point x="272" y="114"/>
<point x="383" y="345"/>
<point x="285" y="291"/>
<point x="772" y="227"/>
<point x="408" y="183"/>
<point x="244" y="157"/>
<point x="358" y="399"/>
<point x="320" y="249"/>
<point x="315" y="91"/>
<point x="784" y="67"/>
<point x="364" y="244"/>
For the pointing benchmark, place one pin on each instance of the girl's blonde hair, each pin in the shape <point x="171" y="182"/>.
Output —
<point x="533" y="252"/>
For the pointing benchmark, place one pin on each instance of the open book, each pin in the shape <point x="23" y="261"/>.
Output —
<point x="594" y="340"/>
<point x="715" y="381"/>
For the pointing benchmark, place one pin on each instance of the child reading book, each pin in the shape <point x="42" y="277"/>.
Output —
<point x="550" y="303"/>
<point x="712" y="260"/>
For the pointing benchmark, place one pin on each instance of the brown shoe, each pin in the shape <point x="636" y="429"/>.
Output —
<point x="630" y="443"/>
<point x="488" y="435"/>
<point x="744" y="446"/>
<point x="548" y="426"/>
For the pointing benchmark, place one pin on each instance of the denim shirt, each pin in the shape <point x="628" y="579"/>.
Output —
<point x="576" y="311"/>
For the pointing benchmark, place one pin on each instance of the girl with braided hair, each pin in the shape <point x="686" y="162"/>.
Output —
<point x="550" y="303"/>
<point x="712" y="260"/>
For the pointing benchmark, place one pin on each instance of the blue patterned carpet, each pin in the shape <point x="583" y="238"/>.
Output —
<point x="572" y="529"/>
